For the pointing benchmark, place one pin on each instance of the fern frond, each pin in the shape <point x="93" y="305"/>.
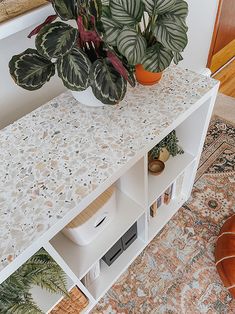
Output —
<point x="40" y="270"/>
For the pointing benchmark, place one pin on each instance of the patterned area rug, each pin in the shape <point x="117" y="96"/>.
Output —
<point x="176" y="272"/>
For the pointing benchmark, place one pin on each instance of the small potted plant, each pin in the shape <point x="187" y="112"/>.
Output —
<point x="168" y="146"/>
<point x="148" y="33"/>
<point x="84" y="62"/>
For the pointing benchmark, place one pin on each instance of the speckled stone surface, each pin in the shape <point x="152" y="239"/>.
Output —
<point x="55" y="156"/>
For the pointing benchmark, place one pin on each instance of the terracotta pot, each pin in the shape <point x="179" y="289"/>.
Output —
<point x="145" y="77"/>
<point x="225" y="254"/>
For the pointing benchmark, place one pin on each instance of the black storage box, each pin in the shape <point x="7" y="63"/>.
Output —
<point x="129" y="237"/>
<point x="115" y="251"/>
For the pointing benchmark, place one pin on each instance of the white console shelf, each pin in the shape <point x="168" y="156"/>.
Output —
<point x="59" y="158"/>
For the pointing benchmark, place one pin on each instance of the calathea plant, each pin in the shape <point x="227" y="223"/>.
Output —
<point x="79" y="54"/>
<point x="147" y="32"/>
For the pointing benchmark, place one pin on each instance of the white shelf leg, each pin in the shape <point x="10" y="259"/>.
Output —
<point x="212" y="99"/>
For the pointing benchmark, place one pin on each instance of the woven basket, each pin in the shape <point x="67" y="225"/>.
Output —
<point x="73" y="305"/>
<point x="12" y="8"/>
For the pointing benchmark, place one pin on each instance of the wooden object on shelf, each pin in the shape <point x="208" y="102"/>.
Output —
<point x="168" y="194"/>
<point x="153" y="209"/>
<point x="164" y="154"/>
<point x="73" y="305"/>
<point x="156" y="167"/>
<point x="167" y="198"/>
<point x="12" y="8"/>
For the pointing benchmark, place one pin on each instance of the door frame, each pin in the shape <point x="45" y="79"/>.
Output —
<point x="215" y="33"/>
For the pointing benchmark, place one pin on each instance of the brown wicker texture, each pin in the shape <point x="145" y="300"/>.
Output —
<point x="11" y="8"/>
<point x="88" y="212"/>
<point x="73" y="305"/>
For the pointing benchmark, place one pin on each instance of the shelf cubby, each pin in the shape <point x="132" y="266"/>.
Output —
<point x="80" y="259"/>
<point x="109" y="274"/>
<point x="164" y="214"/>
<point x="174" y="167"/>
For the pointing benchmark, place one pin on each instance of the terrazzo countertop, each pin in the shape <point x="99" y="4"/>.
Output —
<point x="52" y="158"/>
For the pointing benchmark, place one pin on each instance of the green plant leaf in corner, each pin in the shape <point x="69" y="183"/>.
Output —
<point x="177" y="14"/>
<point x="66" y="9"/>
<point x="30" y="70"/>
<point x="73" y="68"/>
<point x="154" y="7"/>
<point x="55" y="40"/>
<point x="171" y="35"/>
<point x="180" y="9"/>
<point x="157" y="58"/>
<point x="132" y="45"/>
<point x="177" y="57"/>
<point x="127" y="12"/>
<point x="107" y="84"/>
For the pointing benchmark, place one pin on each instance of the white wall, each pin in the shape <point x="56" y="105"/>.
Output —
<point x="201" y="20"/>
<point x="16" y="102"/>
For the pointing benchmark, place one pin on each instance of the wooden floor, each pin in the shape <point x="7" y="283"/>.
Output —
<point x="227" y="79"/>
<point x="222" y="57"/>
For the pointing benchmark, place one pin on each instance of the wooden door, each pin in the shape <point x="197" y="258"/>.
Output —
<point x="224" y="31"/>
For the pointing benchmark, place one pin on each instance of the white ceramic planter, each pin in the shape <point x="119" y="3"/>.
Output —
<point x="87" y="98"/>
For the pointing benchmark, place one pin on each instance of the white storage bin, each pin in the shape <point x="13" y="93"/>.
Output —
<point x="93" y="220"/>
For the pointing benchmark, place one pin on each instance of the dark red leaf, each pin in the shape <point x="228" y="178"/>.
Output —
<point x="117" y="64"/>
<point x="48" y="20"/>
<point x="85" y="35"/>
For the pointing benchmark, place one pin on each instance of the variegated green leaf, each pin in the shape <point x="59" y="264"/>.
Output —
<point x="180" y="9"/>
<point x="171" y="35"/>
<point x="30" y="70"/>
<point x="106" y="12"/>
<point x="175" y="19"/>
<point x="157" y="58"/>
<point x="177" y="57"/>
<point x="112" y="30"/>
<point x="73" y="68"/>
<point x="95" y="8"/>
<point x="66" y="9"/>
<point x="177" y="14"/>
<point x="107" y="84"/>
<point x="105" y="2"/>
<point x="132" y="45"/>
<point x="127" y="12"/>
<point x="55" y="40"/>
<point x="154" y="7"/>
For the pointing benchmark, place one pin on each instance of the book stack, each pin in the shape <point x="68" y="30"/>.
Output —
<point x="165" y="198"/>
